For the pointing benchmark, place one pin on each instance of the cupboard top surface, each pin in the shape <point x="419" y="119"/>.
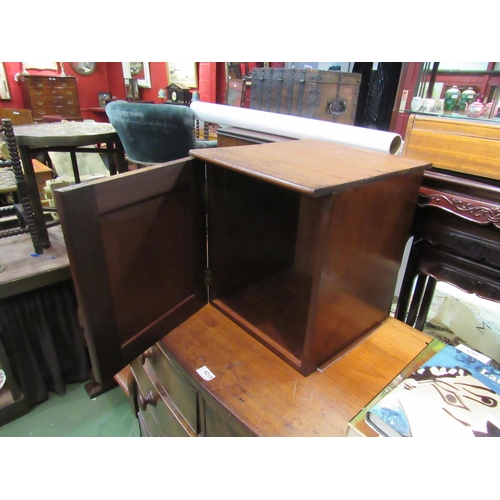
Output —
<point x="310" y="166"/>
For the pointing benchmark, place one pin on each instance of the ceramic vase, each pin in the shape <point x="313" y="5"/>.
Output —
<point x="468" y="97"/>
<point x="451" y="99"/>
<point x="475" y="109"/>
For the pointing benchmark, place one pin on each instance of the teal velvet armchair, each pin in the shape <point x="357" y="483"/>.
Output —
<point x="154" y="133"/>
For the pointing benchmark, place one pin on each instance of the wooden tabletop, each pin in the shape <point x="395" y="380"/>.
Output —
<point x="60" y="134"/>
<point x="24" y="271"/>
<point x="272" y="398"/>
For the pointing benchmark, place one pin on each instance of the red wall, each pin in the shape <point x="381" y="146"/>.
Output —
<point x="108" y="77"/>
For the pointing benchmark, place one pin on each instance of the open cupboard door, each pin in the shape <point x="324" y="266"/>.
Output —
<point x="137" y="248"/>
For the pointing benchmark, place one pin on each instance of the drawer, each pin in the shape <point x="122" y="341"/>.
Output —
<point x="39" y="83"/>
<point x="65" y="93"/>
<point x="38" y="112"/>
<point x="63" y="84"/>
<point x="40" y="92"/>
<point x="220" y="423"/>
<point x="183" y="394"/>
<point x="51" y="100"/>
<point x="152" y="398"/>
<point x="148" y="424"/>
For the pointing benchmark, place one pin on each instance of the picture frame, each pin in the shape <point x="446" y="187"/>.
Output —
<point x="4" y="84"/>
<point x="102" y="98"/>
<point x="40" y="65"/>
<point x="138" y="71"/>
<point x="132" y="89"/>
<point x="183" y="73"/>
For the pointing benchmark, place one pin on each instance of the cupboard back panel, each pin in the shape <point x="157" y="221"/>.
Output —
<point x="252" y="230"/>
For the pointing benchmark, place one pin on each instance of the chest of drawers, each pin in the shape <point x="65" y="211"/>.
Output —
<point x="51" y="95"/>
<point x="251" y="392"/>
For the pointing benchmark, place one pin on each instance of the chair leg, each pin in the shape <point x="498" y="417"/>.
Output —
<point x="406" y="288"/>
<point x="416" y="299"/>
<point x="26" y="207"/>
<point x="426" y="303"/>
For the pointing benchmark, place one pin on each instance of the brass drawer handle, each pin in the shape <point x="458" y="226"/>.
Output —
<point x="149" y="399"/>
<point x="40" y="103"/>
<point x="70" y="102"/>
<point x="148" y="353"/>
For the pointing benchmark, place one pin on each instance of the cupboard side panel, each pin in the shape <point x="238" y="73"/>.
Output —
<point x="364" y="244"/>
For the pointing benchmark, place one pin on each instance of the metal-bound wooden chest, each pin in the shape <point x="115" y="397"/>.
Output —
<point x="323" y="95"/>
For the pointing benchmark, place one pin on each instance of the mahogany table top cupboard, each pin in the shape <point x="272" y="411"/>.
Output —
<point x="296" y="243"/>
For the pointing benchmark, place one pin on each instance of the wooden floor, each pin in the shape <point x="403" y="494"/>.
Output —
<point x="23" y="269"/>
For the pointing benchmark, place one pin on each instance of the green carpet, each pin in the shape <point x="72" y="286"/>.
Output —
<point x="76" y="415"/>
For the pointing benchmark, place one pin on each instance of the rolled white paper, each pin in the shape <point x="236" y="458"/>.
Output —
<point x="296" y="127"/>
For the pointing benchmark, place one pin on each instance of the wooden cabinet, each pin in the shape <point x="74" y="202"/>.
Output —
<point x="456" y="225"/>
<point x="297" y="244"/>
<point x="51" y="95"/>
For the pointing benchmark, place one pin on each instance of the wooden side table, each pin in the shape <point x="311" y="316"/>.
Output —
<point x="69" y="137"/>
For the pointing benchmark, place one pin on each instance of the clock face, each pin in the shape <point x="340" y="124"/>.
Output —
<point x="174" y="95"/>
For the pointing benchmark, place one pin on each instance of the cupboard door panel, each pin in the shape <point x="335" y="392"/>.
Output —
<point x="136" y="245"/>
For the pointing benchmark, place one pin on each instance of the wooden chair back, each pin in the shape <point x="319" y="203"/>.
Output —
<point x="17" y="116"/>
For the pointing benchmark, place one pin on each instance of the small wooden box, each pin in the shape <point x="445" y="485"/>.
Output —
<point x="324" y="95"/>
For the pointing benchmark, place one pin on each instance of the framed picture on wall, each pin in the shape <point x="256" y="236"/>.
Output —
<point x="132" y="89"/>
<point x="40" y="65"/>
<point x="139" y="71"/>
<point x="4" y="83"/>
<point x="182" y="72"/>
<point x="103" y="97"/>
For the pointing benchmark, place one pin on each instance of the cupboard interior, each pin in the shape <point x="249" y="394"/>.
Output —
<point x="260" y="255"/>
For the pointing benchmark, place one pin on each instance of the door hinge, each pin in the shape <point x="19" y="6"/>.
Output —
<point x="208" y="277"/>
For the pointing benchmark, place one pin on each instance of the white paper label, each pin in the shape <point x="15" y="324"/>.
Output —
<point x="480" y="357"/>
<point x="205" y="373"/>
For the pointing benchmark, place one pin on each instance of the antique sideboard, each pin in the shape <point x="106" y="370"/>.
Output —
<point x="248" y="287"/>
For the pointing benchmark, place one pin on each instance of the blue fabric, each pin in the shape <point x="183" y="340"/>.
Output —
<point x="154" y="133"/>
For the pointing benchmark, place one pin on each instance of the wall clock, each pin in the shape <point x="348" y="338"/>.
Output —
<point x="83" y="68"/>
